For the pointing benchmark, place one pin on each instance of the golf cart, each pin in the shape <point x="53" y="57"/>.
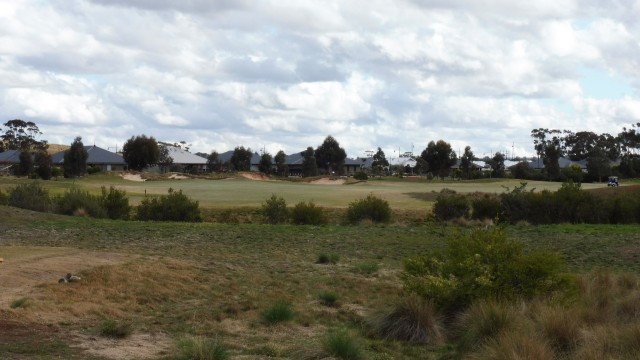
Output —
<point x="613" y="181"/>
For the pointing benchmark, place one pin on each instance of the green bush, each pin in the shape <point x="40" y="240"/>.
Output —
<point x="280" y="311"/>
<point x="115" y="203"/>
<point x="360" y="175"/>
<point x="370" y="208"/>
<point x="198" y="348"/>
<point x="93" y="169"/>
<point x="483" y="264"/>
<point x="486" y="207"/>
<point x="308" y="214"/>
<point x="30" y="196"/>
<point x="175" y="206"/>
<point x="274" y="210"/>
<point x="327" y="298"/>
<point x="114" y="329"/>
<point x="449" y="206"/>
<point x="342" y="345"/>
<point x="366" y="268"/>
<point x="4" y="198"/>
<point x="79" y="202"/>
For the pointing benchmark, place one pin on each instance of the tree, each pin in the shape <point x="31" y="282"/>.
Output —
<point x="164" y="159"/>
<point x="629" y="139"/>
<point x="466" y="162"/>
<point x="552" y="153"/>
<point x="309" y="165"/>
<point x="548" y="146"/>
<point x="440" y="157"/>
<point x="25" y="167"/>
<point x="21" y="135"/>
<point x="522" y="170"/>
<point x="598" y="164"/>
<point x="213" y="162"/>
<point x="75" y="159"/>
<point x="578" y="145"/>
<point x="241" y="159"/>
<point x="379" y="162"/>
<point x="331" y="156"/>
<point x="140" y="152"/>
<point x="43" y="164"/>
<point x="497" y="165"/>
<point x="282" y="169"/>
<point x="265" y="163"/>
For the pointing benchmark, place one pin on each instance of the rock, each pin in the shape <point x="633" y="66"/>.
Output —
<point x="69" y="278"/>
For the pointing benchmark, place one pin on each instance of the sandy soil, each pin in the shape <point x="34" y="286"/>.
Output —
<point x="253" y="176"/>
<point x="326" y="181"/>
<point x="135" y="346"/>
<point x="132" y="177"/>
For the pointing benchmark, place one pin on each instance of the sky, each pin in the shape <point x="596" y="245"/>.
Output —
<point x="276" y="75"/>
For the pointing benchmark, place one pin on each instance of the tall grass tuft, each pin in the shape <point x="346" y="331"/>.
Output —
<point x="114" y="329"/>
<point x="562" y="327"/>
<point x="412" y="319"/>
<point x="516" y="345"/>
<point x="199" y="348"/>
<point x="328" y="258"/>
<point x="280" y="311"/>
<point x="483" y="321"/>
<point x="328" y="298"/>
<point x="342" y="344"/>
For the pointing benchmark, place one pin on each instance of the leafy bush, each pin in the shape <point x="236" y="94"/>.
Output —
<point x="483" y="265"/>
<point x="342" y="345"/>
<point x="114" y="329"/>
<point x="449" y="205"/>
<point x="327" y="259"/>
<point x="370" y="208"/>
<point x="4" y="198"/>
<point x="308" y="214"/>
<point x="30" y="196"/>
<point x="486" y="207"/>
<point x="202" y="349"/>
<point x="366" y="268"/>
<point x="115" y="203"/>
<point x="360" y="175"/>
<point x="79" y="202"/>
<point x="93" y="169"/>
<point x="412" y="319"/>
<point x="280" y="311"/>
<point x="175" y="206"/>
<point x="274" y="210"/>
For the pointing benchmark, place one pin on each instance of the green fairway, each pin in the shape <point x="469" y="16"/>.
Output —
<point x="408" y="193"/>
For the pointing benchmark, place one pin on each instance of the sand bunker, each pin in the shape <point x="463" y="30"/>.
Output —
<point x="132" y="177"/>
<point x="326" y="181"/>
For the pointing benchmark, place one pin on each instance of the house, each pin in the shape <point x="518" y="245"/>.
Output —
<point x="97" y="157"/>
<point x="8" y="159"/>
<point x="188" y="161"/>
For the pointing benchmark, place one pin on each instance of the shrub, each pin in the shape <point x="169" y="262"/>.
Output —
<point x="274" y="210"/>
<point x="360" y="175"/>
<point x="327" y="259"/>
<point x="20" y="303"/>
<point x="371" y="208"/>
<point x="308" y="214"/>
<point x="93" y="169"/>
<point x="76" y="201"/>
<point x="366" y="268"/>
<point x="30" y="196"/>
<point x="483" y="264"/>
<point x="114" y="329"/>
<point x="4" y="198"/>
<point x="449" y="206"/>
<point x="174" y="206"/>
<point x="486" y="207"/>
<point x="115" y="203"/>
<point x="412" y="319"/>
<point x="328" y="298"/>
<point x="342" y="345"/>
<point x="280" y="311"/>
<point x="200" y="348"/>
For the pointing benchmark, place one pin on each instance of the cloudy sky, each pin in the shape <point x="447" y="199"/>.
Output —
<point x="284" y="74"/>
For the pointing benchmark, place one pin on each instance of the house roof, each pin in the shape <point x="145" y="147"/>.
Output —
<point x="12" y="156"/>
<point x="184" y="157"/>
<point x="96" y="156"/>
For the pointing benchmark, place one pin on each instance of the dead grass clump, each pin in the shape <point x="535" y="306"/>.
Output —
<point x="511" y="345"/>
<point x="562" y="327"/>
<point x="485" y="320"/>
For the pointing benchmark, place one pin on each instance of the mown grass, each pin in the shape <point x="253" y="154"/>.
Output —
<point x="217" y="280"/>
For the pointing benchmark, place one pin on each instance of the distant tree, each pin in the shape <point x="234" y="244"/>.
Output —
<point x="610" y="145"/>
<point x="265" y="163"/>
<point x="578" y="145"/>
<point x="552" y="154"/>
<point x="466" y="162"/>
<point x="379" y="162"/>
<point x="630" y="165"/>
<point x="43" y="164"/>
<point x="213" y="162"/>
<point x="25" y="167"/>
<point x="548" y="145"/>
<point x="331" y="156"/>
<point x="75" y="159"/>
<point x="140" y="152"/>
<point x="241" y="159"/>
<point x="522" y="170"/>
<point x="282" y="169"/>
<point x="598" y="166"/>
<point x="629" y="139"/>
<point x="440" y="157"/>
<point x="422" y="166"/>
<point x="497" y="165"/>
<point x="309" y="165"/>
<point x="164" y="159"/>
<point x="21" y="135"/>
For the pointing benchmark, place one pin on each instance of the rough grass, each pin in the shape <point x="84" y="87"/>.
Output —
<point x="215" y="280"/>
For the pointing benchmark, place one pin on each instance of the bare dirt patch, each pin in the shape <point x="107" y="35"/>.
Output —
<point x="329" y="181"/>
<point x="253" y="176"/>
<point x="135" y="346"/>
<point x="132" y="177"/>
